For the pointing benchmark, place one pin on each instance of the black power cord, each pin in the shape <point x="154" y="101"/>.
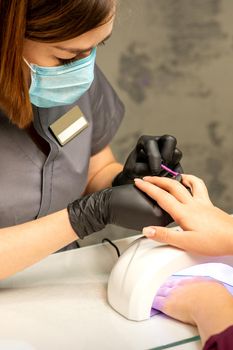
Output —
<point x="112" y="244"/>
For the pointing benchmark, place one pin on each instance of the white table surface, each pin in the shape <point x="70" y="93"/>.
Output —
<point x="60" y="303"/>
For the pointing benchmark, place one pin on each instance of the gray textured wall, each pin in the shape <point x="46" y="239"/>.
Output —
<point x="171" y="62"/>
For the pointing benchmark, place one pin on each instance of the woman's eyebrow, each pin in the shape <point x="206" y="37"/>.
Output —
<point x="71" y="50"/>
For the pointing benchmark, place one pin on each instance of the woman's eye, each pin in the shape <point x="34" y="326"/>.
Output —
<point x="102" y="43"/>
<point x="63" y="61"/>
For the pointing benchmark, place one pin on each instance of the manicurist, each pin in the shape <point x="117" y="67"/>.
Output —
<point x="58" y="114"/>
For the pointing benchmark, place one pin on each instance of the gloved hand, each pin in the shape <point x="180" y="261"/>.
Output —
<point x="124" y="206"/>
<point x="147" y="157"/>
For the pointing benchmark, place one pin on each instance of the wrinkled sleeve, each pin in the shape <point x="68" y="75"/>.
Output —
<point x="221" y="341"/>
<point x="107" y="112"/>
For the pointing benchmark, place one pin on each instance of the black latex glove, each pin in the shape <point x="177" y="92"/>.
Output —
<point x="124" y="206"/>
<point x="147" y="157"/>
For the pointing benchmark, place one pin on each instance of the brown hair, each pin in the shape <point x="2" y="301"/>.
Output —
<point x="44" y="21"/>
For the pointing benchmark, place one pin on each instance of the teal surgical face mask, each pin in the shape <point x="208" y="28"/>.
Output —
<point x="61" y="85"/>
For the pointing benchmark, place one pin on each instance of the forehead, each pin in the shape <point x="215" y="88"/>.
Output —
<point x="90" y="38"/>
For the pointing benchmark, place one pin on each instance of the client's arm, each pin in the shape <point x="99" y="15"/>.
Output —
<point x="207" y="229"/>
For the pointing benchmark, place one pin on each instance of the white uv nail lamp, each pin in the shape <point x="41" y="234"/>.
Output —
<point x="142" y="269"/>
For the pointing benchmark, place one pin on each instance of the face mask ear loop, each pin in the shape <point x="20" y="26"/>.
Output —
<point x="28" y="64"/>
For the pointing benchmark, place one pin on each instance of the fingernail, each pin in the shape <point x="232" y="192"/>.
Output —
<point x="178" y="178"/>
<point x="138" y="180"/>
<point x="147" y="177"/>
<point x="149" y="231"/>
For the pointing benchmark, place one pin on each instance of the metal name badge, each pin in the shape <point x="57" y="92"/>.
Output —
<point x="69" y="125"/>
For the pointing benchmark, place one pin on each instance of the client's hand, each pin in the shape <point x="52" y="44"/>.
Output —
<point x="207" y="229"/>
<point x="198" y="301"/>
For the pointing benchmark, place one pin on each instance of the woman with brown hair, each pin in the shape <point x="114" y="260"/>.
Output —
<point x="58" y="114"/>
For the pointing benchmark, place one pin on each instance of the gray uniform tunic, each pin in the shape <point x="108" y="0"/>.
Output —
<point x="37" y="175"/>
